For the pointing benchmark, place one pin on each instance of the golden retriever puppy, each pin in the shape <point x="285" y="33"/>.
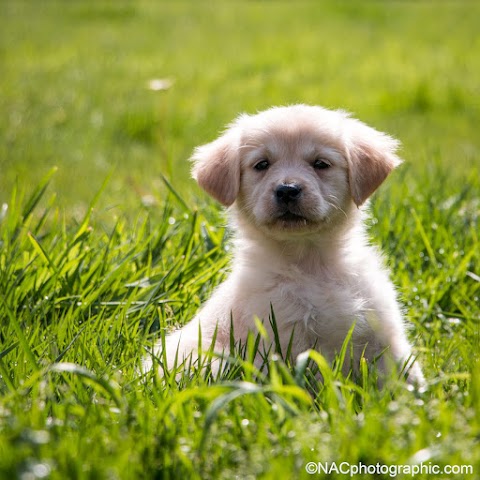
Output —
<point x="294" y="180"/>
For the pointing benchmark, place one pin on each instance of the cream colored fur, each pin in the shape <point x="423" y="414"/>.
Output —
<point x="308" y="257"/>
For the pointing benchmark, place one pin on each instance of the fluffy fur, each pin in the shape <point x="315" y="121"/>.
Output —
<point x="294" y="180"/>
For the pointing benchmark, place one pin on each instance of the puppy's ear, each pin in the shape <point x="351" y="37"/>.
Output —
<point x="216" y="168"/>
<point x="371" y="157"/>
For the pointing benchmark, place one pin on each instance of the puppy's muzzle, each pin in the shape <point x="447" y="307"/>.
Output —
<point x="287" y="193"/>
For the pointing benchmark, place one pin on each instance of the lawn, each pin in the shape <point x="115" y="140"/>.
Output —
<point x="106" y="244"/>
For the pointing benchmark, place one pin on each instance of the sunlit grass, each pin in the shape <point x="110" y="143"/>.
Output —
<point x="81" y="309"/>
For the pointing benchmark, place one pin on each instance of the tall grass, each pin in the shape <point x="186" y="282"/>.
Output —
<point x="81" y="308"/>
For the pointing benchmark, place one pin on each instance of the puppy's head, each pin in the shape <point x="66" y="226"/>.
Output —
<point x="295" y="169"/>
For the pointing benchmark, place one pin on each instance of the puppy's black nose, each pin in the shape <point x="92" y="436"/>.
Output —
<point x="288" y="192"/>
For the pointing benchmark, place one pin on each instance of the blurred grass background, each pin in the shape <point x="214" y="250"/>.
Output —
<point x="75" y="76"/>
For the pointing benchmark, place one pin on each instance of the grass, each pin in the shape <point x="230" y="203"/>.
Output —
<point x="106" y="252"/>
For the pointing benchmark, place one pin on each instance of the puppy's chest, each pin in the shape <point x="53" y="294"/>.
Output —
<point x="314" y="300"/>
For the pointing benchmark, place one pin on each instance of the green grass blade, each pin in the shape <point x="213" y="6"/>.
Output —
<point x="37" y="194"/>
<point x="177" y="195"/>
<point x="20" y="335"/>
<point x="108" y="386"/>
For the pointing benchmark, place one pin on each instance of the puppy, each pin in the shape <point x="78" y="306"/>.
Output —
<point x="294" y="180"/>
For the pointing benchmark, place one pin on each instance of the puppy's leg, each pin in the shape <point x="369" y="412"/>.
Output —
<point x="388" y="325"/>
<point x="182" y="346"/>
<point x="402" y="353"/>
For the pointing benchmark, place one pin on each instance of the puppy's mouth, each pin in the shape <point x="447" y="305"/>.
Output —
<point x="291" y="219"/>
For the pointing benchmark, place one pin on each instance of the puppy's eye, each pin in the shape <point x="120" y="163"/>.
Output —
<point x="320" y="164"/>
<point x="262" y="165"/>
